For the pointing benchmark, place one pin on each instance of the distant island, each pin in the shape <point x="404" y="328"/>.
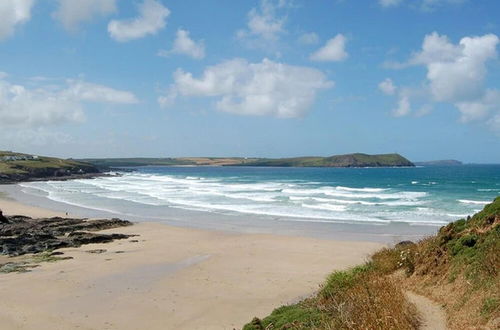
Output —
<point x="446" y="162"/>
<point x="348" y="160"/>
<point x="17" y="167"/>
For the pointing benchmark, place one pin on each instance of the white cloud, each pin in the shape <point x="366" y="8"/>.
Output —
<point x="72" y="13"/>
<point x="333" y="50"/>
<point x="152" y="18"/>
<point x="183" y="44"/>
<point x="480" y="108"/>
<point x="264" y="26"/>
<point x="389" y="3"/>
<point x="52" y="104"/>
<point x="387" y="87"/>
<point x="404" y="107"/>
<point x="456" y="74"/>
<point x="89" y="92"/>
<point x="310" y="38"/>
<point x="13" y="13"/>
<point x="265" y="88"/>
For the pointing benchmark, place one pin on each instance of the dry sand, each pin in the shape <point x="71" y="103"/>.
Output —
<point x="171" y="278"/>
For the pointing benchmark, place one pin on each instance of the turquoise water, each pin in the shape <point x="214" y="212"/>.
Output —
<point x="418" y="196"/>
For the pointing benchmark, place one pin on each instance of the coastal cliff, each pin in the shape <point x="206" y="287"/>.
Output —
<point x="17" y="167"/>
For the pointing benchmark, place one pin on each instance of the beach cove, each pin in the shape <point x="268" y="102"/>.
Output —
<point x="170" y="277"/>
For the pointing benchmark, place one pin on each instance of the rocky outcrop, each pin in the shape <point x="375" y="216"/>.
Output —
<point x="48" y="174"/>
<point x="20" y="235"/>
<point x="2" y="218"/>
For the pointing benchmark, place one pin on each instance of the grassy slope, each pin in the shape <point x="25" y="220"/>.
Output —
<point x="459" y="268"/>
<point x="41" y="166"/>
<point x="350" y="160"/>
<point x="186" y="161"/>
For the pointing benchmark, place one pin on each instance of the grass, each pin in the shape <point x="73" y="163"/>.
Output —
<point x="333" y="161"/>
<point x="24" y="265"/>
<point x="41" y="166"/>
<point x="358" y="298"/>
<point x="349" y="160"/>
<point x="458" y="267"/>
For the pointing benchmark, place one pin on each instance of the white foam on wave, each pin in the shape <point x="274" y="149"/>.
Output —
<point x="468" y="201"/>
<point x="328" y="207"/>
<point x="281" y="198"/>
<point x="361" y="189"/>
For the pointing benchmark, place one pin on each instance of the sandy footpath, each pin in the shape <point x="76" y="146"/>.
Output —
<point x="169" y="278"/>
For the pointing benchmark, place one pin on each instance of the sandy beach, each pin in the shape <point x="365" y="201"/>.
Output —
<point x="169" y="278"/>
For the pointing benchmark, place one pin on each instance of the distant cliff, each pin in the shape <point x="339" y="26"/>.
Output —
<point x="447" y="162"/>
<point x="348" y="160"/>
<point x="16" y="167"/>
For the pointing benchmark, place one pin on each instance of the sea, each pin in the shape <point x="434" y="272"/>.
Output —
<point x="398" y="201"/>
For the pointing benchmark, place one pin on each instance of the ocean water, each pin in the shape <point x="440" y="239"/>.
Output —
<point x="430" y="196"/>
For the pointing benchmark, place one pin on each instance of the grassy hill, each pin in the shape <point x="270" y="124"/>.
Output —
<point x="350" y="160"/>
<point x="185" y="161"/>
<point x="16" y="167"/>
<point x="458" y="268"/>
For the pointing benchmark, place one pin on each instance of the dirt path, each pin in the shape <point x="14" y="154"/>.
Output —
<point x="432" y="315"/>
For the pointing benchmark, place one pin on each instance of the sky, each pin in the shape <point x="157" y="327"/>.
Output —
<point x="268" y="78"/>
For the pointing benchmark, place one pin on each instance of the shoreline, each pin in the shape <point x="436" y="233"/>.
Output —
<point x="170" y="277"/>
<point x="237" y="223"/>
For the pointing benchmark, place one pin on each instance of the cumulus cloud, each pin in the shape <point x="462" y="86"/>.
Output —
<point x="184" y="45"/>
<point x="456" y="74"/>
<point x="387" y="87"/>
<point x="403" y="108"/>
<point x="12" y="14"/>
<point x="152" y="18"/>
<point x="310" y="38"/>
<point x="53" y="104"/>
<point x="72" y="13"/>
<point x="266" y="88"/>
<point x="333" y="50"/>
<point x="89" y="92"/>
<point x="264" y="25"/>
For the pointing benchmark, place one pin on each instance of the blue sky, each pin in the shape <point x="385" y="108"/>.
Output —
<point x="269" y="78"/>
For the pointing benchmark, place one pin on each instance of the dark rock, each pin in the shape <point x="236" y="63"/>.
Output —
<point x="97" y="251"/>
<point x="81" y="238"/>
<point x="2" y="218"/>
<point x="404" y="244"/>
<point x="20" y="235"/>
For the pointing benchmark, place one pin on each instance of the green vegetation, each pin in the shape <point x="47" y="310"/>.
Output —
<point x="17" y="167"/>
<point x="25" y="264"/>
<point x="187" y="161"/>
<point x="350" y="160"/>
<point x="458" y="267"/>
<point x="359" y="298"/>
